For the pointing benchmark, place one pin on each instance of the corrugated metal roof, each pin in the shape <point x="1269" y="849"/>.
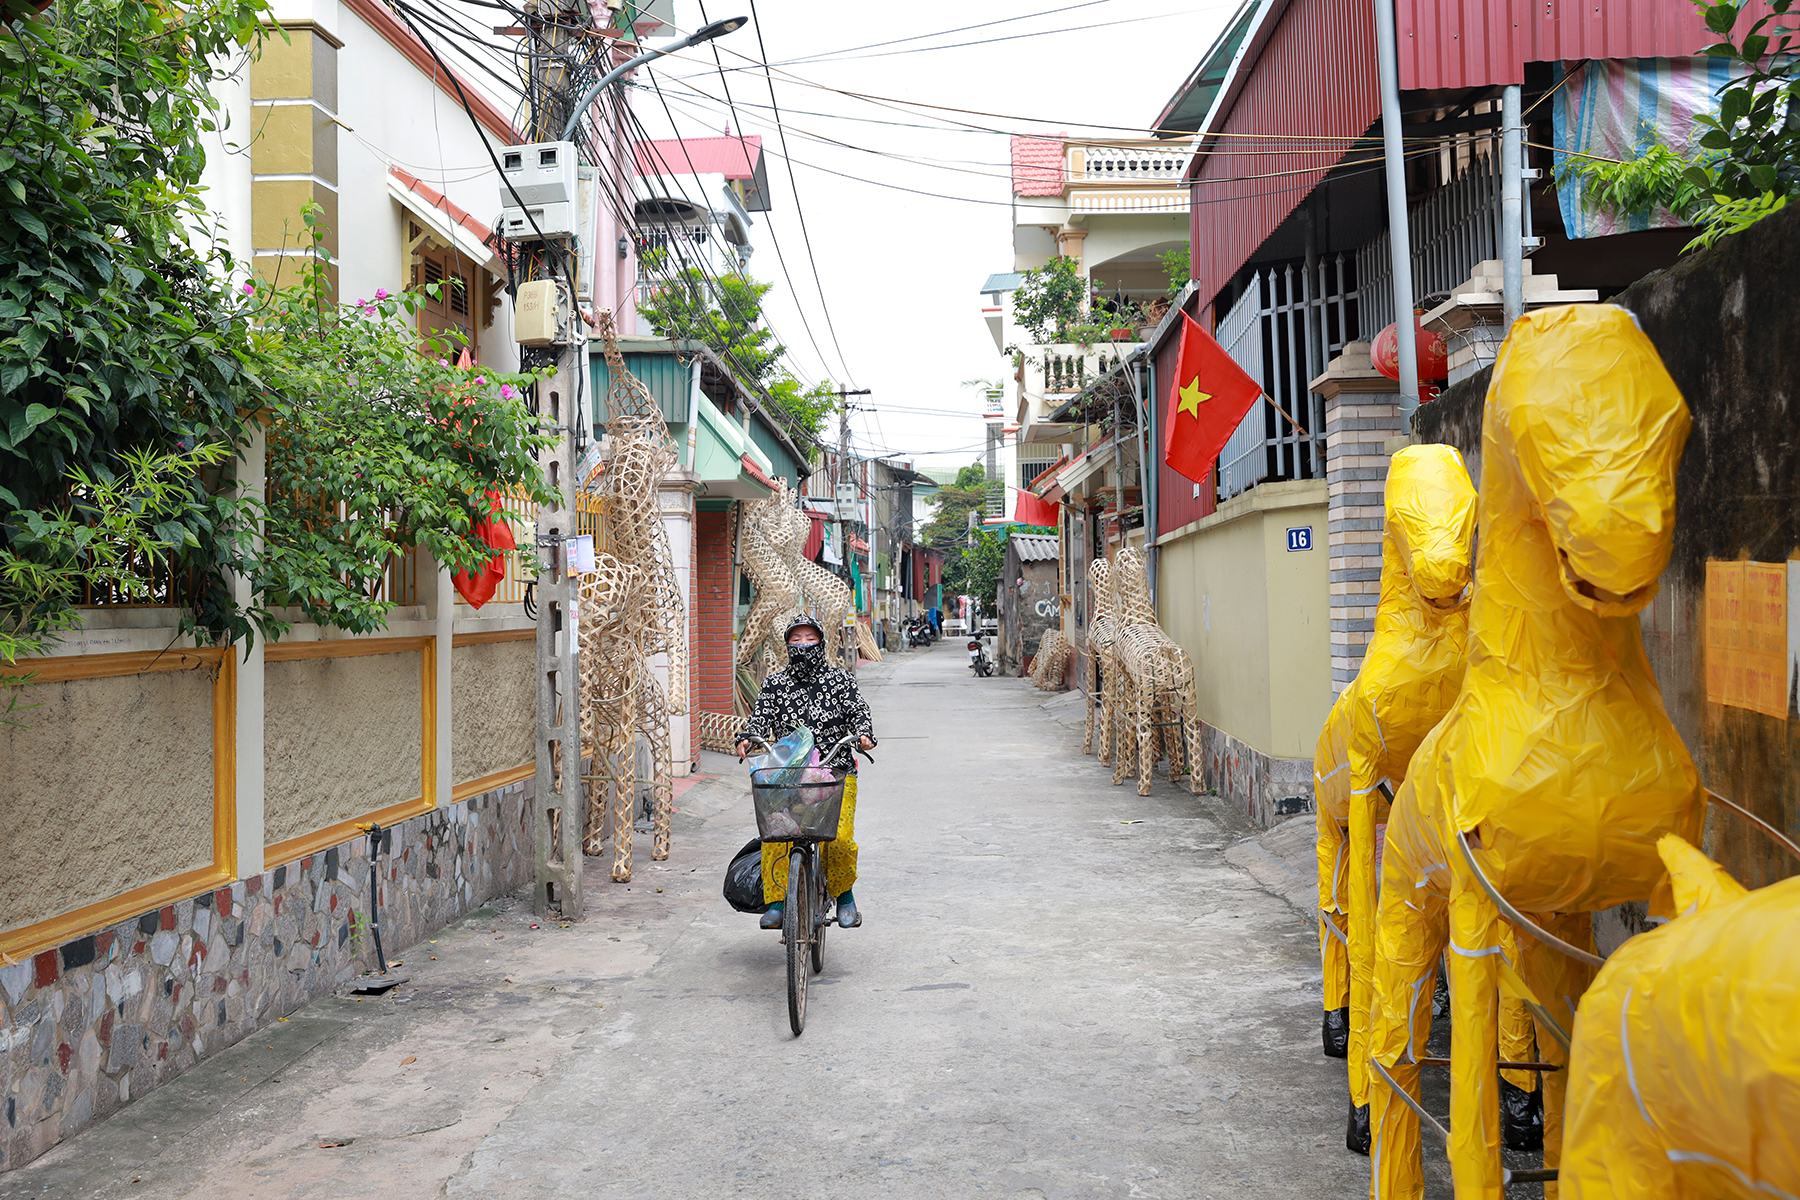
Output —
<point x="1035" y="547"/>
<point x="1310" y="76"/>
<point x="733" y="157"/>
<point x="659" y="370"/>
<point x="1474" y="43"/>
<point x="1002" y="281"/>
<point x="1187" y="108"/>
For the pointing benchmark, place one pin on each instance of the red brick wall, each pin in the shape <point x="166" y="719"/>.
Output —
<point x="711" y="655"/>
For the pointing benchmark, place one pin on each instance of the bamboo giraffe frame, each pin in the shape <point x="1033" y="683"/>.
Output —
<point x="1102" y="632"/>
<point x="631" y="609"/>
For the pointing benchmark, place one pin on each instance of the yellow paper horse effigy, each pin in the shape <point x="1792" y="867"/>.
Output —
<point x="1410" y="674"/>
<point x="1684" y="1077"/>
<point x="1547" y="784"/>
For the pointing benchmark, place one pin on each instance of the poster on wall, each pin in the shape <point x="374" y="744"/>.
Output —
<point x="1750" y="641"/>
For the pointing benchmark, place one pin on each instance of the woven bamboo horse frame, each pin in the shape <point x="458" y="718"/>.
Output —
<point x="822" y="594"/>
<point x="1156" y="690"/>
<point x="632" y="610"/>
<point x="774" y="583"/>
<point x="1099" y="675"/>
<point x="1540" y="796"/>
<point x="1051" y="659"/>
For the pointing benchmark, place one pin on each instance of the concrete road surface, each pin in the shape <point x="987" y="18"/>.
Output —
<point x="1061" y="989"/>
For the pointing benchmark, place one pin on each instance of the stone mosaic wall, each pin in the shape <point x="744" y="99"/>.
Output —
<point x="88" y="1026"/>
<point x="1267" y="790"/>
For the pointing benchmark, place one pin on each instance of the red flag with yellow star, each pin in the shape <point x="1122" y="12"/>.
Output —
<point x="1207" y="399"/>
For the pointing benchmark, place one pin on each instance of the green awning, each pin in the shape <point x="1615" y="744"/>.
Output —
<point x="730" y="464"/>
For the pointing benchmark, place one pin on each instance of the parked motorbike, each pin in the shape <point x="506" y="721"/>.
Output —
<point x="919" y="633"/>
<point x="979" y="662"/>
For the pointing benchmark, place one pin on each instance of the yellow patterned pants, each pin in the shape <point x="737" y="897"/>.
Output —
<point x="840" y="856"/>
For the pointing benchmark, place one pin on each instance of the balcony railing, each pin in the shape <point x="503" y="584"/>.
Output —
<point x="1069" y="367"/>
<point x="1127" y="162"/>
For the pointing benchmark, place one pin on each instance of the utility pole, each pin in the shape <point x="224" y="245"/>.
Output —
<point x="843" y="481"/>
<point x="560" y="814"/>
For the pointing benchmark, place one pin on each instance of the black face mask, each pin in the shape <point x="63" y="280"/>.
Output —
<point x="806" y="661"/>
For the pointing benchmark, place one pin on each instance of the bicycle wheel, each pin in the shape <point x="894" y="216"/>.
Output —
<point x="821" y="916"/>
<point x="796" y="924"/>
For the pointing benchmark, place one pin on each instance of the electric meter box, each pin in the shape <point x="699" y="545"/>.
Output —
<point x="541" y="313"/>
<point x="541" y="185"/>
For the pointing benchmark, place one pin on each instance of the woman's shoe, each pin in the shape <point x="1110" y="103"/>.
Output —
<point x="772" y="918"/>
<point x="847" y="915"/>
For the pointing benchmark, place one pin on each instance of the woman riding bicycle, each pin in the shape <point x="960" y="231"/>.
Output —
<point x="810" y="691"/>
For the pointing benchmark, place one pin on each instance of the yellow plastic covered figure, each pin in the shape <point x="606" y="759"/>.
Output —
<point x="1556" y="769"/>
<point x="1684" y="1078"/>
<point x="1409" y="675"/>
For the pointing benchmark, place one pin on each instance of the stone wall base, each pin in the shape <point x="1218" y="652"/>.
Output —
<point x="105" y="1018"/>
<point x="1267" y="790"/>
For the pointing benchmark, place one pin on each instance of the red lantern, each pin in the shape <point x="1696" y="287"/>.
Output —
<point x="1433" y="356"/>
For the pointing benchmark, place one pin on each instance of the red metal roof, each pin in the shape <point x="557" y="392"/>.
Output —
<point x="1314" y="78"/>
<point x="1472" y="43"/>
<point x="1308" y="72"/>
<point x="1037" y="166"/>
<point x="733" y="157"/>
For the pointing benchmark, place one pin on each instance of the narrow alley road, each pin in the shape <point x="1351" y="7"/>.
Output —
<point x="1061" y="989"/>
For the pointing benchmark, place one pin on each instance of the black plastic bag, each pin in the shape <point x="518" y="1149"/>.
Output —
<point x="743" y="879"/>
<point x="1521" y="1117"/>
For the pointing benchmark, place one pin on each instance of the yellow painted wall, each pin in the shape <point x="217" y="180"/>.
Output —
<point x="493" y="708"/>
<point x="1255" y="617"/>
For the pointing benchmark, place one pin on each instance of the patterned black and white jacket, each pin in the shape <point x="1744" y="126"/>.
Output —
<point x="828" y="703"/>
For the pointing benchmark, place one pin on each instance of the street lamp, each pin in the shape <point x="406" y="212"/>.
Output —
<point x="705" y="33"/>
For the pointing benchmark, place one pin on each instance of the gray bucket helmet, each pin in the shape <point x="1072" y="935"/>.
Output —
<point x="803" y="619"/>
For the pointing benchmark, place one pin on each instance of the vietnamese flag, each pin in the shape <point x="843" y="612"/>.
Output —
<point x="1207" y="399"/>
<point x="478" y="587"/>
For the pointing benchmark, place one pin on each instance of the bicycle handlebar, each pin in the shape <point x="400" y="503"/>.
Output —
<point x="848" y="739"/>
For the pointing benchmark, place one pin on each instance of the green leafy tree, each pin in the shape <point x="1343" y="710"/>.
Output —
<point x="1175" y="266"/>
<point x="124" y="349"/>
<point x="723" y="313"/>
<point x="116" y="336"/>
<point x="808" y="406"/>
<point x="376" y="448"/>
<point x="972" y="476"/>
<point x="118" y="535"/>
<point x="1050" y="299"/>
<point x="1746" y="164"/>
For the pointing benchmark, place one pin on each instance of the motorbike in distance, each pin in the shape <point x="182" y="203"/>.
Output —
<point x="979" y="662"/>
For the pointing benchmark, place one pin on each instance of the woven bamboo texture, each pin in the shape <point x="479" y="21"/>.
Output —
<point x="1051" y="661"/>
<point x="631" y="608"/>
<point x="1155" y="703"/>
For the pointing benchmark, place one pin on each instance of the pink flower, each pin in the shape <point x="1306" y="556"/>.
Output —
<point x="249" y="289"/>
<point x="480" y="379"/>
<point x="381" y="293"/>
<point x="506" y="391"/>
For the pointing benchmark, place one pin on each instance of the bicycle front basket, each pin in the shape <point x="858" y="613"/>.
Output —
<point x="793" y="803"/>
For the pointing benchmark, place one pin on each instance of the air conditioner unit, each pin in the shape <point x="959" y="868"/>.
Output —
<point x="542" y="315"/>
<point x="541" y="188"/>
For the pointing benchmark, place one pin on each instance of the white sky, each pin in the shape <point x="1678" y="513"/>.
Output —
<point x="899" y="270"/>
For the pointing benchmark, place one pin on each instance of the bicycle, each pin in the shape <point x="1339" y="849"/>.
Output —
<point x="801" y="805"/>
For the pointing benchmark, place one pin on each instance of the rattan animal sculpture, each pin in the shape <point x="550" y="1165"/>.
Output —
<point x="621" y="701"/>
<point x="631" y="609"/>
<point x="1098" y="680"/>
<point x="821" y="593"/>
<point x="1543" y="791"/>
<point x="1156" y="690"/>
<point x="640" y="456"/>
<point x="1410" y="673"/>
<point x="774" y="584"/>
<point x="1051" y="660"/>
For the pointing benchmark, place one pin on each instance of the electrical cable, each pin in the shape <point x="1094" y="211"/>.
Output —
<point x="794" y="186"/>
<point x="780" y="255"/>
